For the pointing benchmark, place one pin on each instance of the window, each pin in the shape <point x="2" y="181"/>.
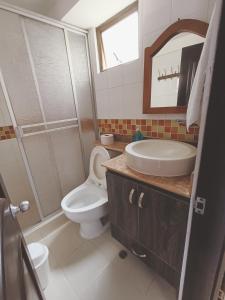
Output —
<point x="117" y="38"/>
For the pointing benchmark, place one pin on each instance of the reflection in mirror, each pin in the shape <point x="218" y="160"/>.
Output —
<point x="173" y="70"/>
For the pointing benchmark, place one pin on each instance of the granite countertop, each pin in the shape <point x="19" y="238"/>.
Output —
<point x="178" y="185"/>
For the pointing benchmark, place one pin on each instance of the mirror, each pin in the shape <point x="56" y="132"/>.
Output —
<point x="170" y="66"/>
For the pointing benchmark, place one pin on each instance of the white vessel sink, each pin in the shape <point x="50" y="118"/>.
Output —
<point x="161" y="157"/>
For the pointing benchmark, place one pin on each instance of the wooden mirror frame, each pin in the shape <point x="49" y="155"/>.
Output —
<point x="186" y="25"/>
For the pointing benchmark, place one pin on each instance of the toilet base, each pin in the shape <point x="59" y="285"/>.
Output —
<point x="91" y="230"/>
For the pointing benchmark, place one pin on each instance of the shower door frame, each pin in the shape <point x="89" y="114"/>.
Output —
<point x="19" y="128"/>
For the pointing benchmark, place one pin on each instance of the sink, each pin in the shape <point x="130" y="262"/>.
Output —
<point x="161" y="157"/>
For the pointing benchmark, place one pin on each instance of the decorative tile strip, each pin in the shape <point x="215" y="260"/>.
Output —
<point x="7" y="132"/>
<point x="162" y="129"/>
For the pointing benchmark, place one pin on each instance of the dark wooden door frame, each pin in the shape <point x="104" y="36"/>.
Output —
<point x="207" y="239"/>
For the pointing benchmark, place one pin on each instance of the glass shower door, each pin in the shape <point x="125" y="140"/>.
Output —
<point x="34" y="64"/>
<point x="79" y="62"/>
<point x="53" y="148"/>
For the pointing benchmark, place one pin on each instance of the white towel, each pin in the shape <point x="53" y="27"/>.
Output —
<point x="205" y="65"/>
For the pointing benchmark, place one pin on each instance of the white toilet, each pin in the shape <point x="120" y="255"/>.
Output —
<point x="87" y="204"/>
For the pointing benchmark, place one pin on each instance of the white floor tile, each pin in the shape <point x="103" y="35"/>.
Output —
<point x="62" y="243"/>
<point x="159" y="289"/>
<point x="107" y="245"/>
<point x="59" y="288"/>
<point x="122" y="280"/>
<point x="84" y="266"/>
<point x="92" y="270"/>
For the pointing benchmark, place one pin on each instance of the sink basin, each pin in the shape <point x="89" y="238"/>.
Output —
<point x="161" y="157"/>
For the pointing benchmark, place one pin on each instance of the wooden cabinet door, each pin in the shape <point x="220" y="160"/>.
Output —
<point x="122" y="194"/>
<point x="162" y="224"/>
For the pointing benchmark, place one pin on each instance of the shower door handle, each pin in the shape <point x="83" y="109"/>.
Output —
<point x="23" y="207"/>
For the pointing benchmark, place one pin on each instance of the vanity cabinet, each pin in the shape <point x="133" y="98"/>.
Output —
<point x="150" y="222"/>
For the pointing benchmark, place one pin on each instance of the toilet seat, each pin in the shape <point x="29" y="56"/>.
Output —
<point x="96" y="172"/>
<point x="85" y="198"/>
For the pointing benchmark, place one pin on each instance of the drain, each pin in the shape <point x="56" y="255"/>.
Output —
<point x="123" y="254"/>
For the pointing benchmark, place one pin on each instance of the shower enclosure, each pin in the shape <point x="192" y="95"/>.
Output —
<point x="46" y="83"/>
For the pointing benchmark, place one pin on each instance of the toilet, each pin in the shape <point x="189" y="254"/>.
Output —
<point x="88" y="203"/>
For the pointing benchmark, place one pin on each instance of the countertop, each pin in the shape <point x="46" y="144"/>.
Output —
<point x="116" y="146"/>
<point x="177" y="185"/>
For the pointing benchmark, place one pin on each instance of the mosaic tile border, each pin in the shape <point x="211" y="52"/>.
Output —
<point x="162" y="129"/>
<point x="7" y="133"/>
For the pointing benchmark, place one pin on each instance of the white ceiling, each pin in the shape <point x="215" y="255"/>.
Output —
<point x="51" y="8"/>
<point x="91" y="13"/>
<point x="82" y="13"/>
<point x="38" y="6"/>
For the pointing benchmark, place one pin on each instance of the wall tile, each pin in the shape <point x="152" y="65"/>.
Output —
<point x="102" y="99"/>
<point x="132" y="100"/>
<point x="156" y="14"/>
<point x="101" y="80"/>
<point x="114" y="107"/>
<point x="7" y="132"/>
<point x="115" y="76"/>
<point x="132" y="72"/>
<point x="161" y="129"/>
<point x="150" y="37"/>
<point x="189" y="9"/>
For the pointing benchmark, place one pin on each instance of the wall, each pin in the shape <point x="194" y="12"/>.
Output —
<point x="119" y="90"/>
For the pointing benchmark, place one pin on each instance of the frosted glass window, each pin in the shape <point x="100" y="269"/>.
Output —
<point x="48" y="50"/>
<point x="67" y="152"/>
<point x="44" y="172"/>
<point x="4" y="113"/>
<point x="16" y="180"/>
<point x="78" y="49"/>
<point x="120" y="42"/>
<point x="16" y="69"/>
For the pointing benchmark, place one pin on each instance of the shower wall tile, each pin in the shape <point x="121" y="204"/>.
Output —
<point x="7" y="133"/>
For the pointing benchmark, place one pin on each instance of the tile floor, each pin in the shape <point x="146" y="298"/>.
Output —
<point x="92" y="270"/>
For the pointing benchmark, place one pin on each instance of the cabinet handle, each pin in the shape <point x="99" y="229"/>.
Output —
<point x="131" y="196"/>
<point x="140" y="200"/>
<point x="137" y="254"/>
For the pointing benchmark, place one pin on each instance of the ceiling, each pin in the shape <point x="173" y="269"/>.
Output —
<point x="83" y="13"/>
<point x="91" y="13"/>
<point x="51" y="8"/>
<point x="38" y="6"/>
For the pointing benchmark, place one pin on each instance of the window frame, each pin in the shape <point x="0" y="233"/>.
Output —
<point x="133" y="7"/>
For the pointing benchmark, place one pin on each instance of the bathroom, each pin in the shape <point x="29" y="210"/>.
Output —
<point x="107" y="122"/>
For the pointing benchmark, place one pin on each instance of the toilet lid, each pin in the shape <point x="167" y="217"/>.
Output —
<point x="97" y="172"/>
